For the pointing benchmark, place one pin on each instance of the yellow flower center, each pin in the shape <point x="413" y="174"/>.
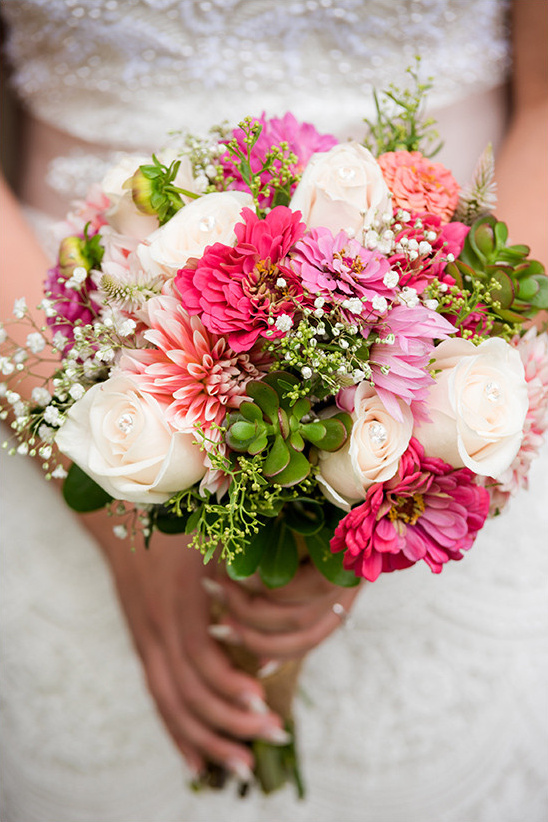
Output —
<point x="407" y="509"/>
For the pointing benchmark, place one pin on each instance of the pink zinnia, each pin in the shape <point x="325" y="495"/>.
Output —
<point x="418" y="184"/>
<point x="444" y="239"/>
<point x="302" y="138"/>
<point x="339" y="268"/>
<point x="247" y="291"/>
<point x="197" y="373"/>
<point x="428" y="511"/>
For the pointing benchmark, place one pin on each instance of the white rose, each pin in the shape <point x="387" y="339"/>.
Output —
<point x="209" y="219"/>
<point x="477" y="406"/>
<point x="342" y="189"/>
<point x="371" y="454"/>
<point x="119" y="437"/>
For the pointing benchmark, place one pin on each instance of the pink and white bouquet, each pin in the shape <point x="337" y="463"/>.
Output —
<point x="293" y="350"/>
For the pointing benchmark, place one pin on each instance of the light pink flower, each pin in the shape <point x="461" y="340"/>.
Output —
<point x="236" y="290"/>
<point x="428" y="511"/>
<point x="195" y="372"/>
<point x="302" y="138"/>
<point x="533" y="349"/>
<point x="418" y="184"/>
<point x="339" y="268"/>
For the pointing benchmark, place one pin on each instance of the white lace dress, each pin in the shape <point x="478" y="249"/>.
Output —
<point x="431" y="706"/>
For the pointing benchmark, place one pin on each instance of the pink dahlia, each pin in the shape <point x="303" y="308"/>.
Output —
<point x="533" y="349"/>
<point x="400" y="367"/>
<point x="428" y="511"/>
<point x="339" y="268"/>
<point x="247" y="291"/>
<point x="433" y="241"/>
<point x="195" y="372"/>
<point x="418" y="184"/>
<point x="302" y="138"/>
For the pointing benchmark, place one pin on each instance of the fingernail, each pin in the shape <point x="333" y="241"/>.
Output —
<point x="255" y="704"/>
<point x="242" y="771"/>
<point x="224" y="633"/>
<point x="269" y="668"/>
<point x="214" y="589"/>
<point x="277" y="736"/>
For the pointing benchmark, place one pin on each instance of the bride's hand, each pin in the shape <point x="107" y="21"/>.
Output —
<point x="283" y="622"/>
<point x="201" y="697"/>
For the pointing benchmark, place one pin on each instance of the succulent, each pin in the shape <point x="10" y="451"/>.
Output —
<point x="520" y="285"/>
<point x="280" y="427"/>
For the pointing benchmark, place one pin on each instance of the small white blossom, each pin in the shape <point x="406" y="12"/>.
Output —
<point x="127" y="328"/>
<point x="45" y="452"/>
<point x="344" y="343"/>
<point x="77" y="391"/>
<point x="390" y="339"/>
<point x="306" y="372"/>
<point x="36" y="342"/>
<point x="443" y="287"/>
<point x="413" y="255"/>
<point x="120" y="531"/>
<point x="3" y="389"/>
<point x="48" y="307"/>
<point x="391" y="279"/>
<point x="41" y="396"/>
<point x="46" y="433"/>
<point x="6" y="366"/>
<point x="59" y="472"/>
<point x="432" y="304"/>
<point x="281" y="283"/>
<point x="350" y="232"/>
<point x="12" y="397"/>
<point x="20" y="409"/>
<point x="23" y="448"/>
<point x="20" y="356"/>
<point x="408" y="297"/>
<point x="403" y="216"/>
<point x="284" y="323"/>
<point x="404" y="242"/>
<point x="371" y="239"/>
<point x="20" y="308"/>
<point x="105" y="355"/>
<point x="3" y="334"/>
<point x="424" y="247"/>
<point x="450" y="258"/>
<point x="358" y="375"/>
<point x="319" y="302"/>
<point x="319" y="312"/>
<point x="413" y="244"/>
<point x="354" y="305"/>
<point x="59" y="340"/>
<point x="341" y="370"/>
<point x="379" y="303"/>
<point x="430" y="236"/>
<point x="78" y="333"/>
<point x="52" y="415"/>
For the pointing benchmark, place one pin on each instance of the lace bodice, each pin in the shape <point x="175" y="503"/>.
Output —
<point x="124" y="73"/>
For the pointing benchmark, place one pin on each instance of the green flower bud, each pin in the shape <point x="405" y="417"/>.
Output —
<point x="72" y="255"/>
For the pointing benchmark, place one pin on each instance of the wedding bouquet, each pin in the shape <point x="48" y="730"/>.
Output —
<point x="292" y="348"/>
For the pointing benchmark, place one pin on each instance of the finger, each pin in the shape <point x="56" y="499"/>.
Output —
<point x="273" y="617"/>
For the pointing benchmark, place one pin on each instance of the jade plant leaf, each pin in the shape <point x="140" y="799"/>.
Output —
<point x="280" y="560"/>
<point x="327" y="563"/>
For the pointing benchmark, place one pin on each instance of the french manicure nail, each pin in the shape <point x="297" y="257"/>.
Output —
<point x="214" y="589"/>
<point x="277" y="736"/>
<point x="269" y="668"/>
<point x="224" y="633"/>
<point x="240" y="770"/>
<point x="255" y="704"/>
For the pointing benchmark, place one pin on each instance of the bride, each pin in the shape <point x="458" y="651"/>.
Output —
<point x="428" y="705"/>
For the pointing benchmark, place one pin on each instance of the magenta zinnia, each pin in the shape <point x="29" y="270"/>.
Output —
<point x="428" y="511"/>
<point x="247" y="291"/>
<point x="195" y="372"/>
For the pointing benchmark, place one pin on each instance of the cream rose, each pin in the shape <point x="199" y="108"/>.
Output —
<point x="207" y="220"/>
<point x="119" y="437"/>
<point x="371" y="454"/>
<point x="342" y="189"/>
<point x="477" y="406"/>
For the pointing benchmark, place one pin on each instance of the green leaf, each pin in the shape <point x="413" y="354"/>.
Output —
<point x="82" y="493"/>
<point x="304" y="517"/>
<point x="335" y="435"/>
<point x="281" y="559"/>
<point x="313" y="431"/>
<point x="251" y="412"/>
<point x="528" y="289"/>
<point x="258" y="444"/>
<point x="247" y="561"/>
<point x="169" y="523"/>
<point x="501" y="234"/>
<point x="278" y="458"/>
<point x="505" y="294"/>
<point x="328" y="563"/>
<point x="296" y="471"/>
<point x="300" y="408"/>
<point x="265" y="397"/>
<point x="192" y="521"/>
<point x="243" y="430"/>
<point x="541" y="299"/>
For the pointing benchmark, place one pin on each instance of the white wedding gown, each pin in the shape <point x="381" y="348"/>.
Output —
<point x="431" y="705"/>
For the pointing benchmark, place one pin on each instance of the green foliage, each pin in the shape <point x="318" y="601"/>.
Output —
<point x="399" y="123"/>
<point x="81" y="493"/>
<point x="85" y="252"/>
<point x="154" y="191"/>
<point x="278" y="428"/>
<point x="518" y="286"/>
